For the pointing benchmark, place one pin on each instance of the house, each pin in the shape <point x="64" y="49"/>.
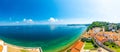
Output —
<point x="101" y="39"/>
<point x="77" y="47"/>
<point x="3" y="47"/>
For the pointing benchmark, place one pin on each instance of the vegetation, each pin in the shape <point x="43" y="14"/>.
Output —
<point x="86" y="39"/>
<point x="98" y="24"/>
<point x="93" y="42"/>
<point x="68" y="50"/>
<point x="112" y="46"/>
<point x="116" y="49"/>
<point x="24" y="50"/>
<point x="108" y="26"/>
<point x="118" y="26"/>
<point x="89" y="43"/>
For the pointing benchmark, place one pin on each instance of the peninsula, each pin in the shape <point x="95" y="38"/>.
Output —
<point x="99" y="37"/>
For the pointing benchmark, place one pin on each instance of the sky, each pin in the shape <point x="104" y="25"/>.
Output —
<point x="58" y="11"/>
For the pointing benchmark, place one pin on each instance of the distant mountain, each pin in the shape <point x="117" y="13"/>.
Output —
<point x="78" y="24"/>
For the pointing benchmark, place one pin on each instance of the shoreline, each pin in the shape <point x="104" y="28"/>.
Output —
<point x="14" y="47"/>
<point x="20" y="46"/>
<point x="75" y="41"/>
<point x="20" y="49"/>
<point x="64" y="49"/>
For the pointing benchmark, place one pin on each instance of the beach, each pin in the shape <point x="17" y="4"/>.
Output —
<point x="20" y="49"/>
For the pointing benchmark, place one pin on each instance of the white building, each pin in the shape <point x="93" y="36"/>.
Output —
<point x="3" y="46"/>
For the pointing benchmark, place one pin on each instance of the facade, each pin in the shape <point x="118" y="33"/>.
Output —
<point x="77" y="47"/>
<point x="3" y="47"/>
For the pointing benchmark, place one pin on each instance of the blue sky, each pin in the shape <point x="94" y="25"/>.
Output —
<point x="58" y="11"/>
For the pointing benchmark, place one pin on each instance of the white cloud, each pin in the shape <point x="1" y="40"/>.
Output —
<point x="24" y="20"/>
<point x="53" y="20"/>
<point x="28" y="21"/>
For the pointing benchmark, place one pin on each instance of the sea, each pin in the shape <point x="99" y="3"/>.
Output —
<point x="51" y="38"/>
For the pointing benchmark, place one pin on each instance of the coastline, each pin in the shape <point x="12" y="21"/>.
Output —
<point x="66" y="47"/>
<point x="20" y="46"/>
<point x="62" y="47"/>
<point x="20" y="49"/>
<point x="75" y="41"/>
<point x="31" y="49"/>
<point x="35" y="49"/>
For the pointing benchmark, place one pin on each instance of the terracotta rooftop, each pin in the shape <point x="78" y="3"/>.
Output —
<point x="115" y="37"/>
<point x="91" y="31"/>
<point x="100" y="33"/>
<point x="100" y="38"/>
<point x="109" y="33"/>
<point x="74" y="50"/>
<point x="77" y="46"/>
<point x="1" y="48"/>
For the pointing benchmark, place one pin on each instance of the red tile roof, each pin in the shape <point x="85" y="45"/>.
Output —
<point x="100" y="38"/>
<point x="1" y="48"/>
<point x="77" y="46"/>
<point x="74" y="50"/>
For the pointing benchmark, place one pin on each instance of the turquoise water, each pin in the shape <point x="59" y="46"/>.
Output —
<point x="52" y="38"/>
